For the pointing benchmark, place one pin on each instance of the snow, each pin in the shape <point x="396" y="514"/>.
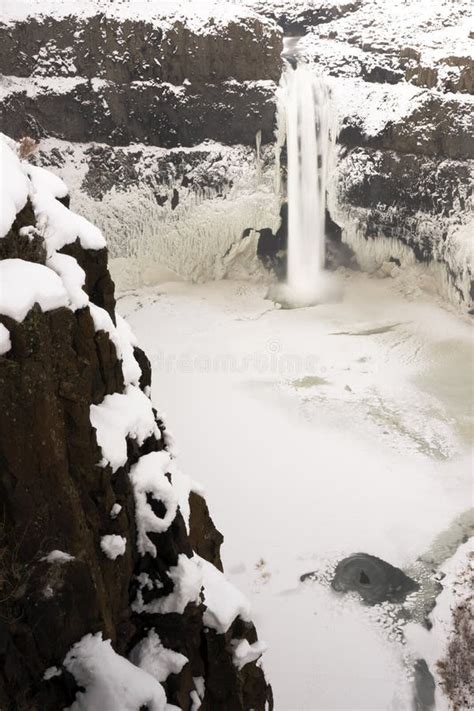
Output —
<point x="24" y="284"/>
<point x="119" y="416"/>
<point x="73" y="278"/>
<point x="373" y="106"/>
<point x="224" y="602"/>
<point x="110" y="681"/>
<point x="151" y="656"/>
<point x="425" y="35"/>
<point x="187" y="580"/>
<point x="200" y="686"/>
<point x="244" y="653"/>
<point x="57" y="556"/>
<point x="113" y="546"/>
<point x="115" y="510"/>
<point x="148" y="477"/>
<point x="14" y="186"/>
<point x="5" y="342"/>
<point x="208" y="17"/>
<point x="42" y="179"/>
<point x="51" y="672"/>
<point x="195" y="700"/>
<point x="61" y="226"/>
<point x="123" y="339"/>
<point x="382" y="466"/>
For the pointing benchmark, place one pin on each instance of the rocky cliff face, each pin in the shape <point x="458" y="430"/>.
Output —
<point x="198" y="93"/>
<point x="162" y="80"/>
<point x="401" y="79"/>
<point x="192" y="94"/>
<point x="107" y="551"/>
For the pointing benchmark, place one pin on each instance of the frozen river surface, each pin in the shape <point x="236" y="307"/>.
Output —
<point x="317" y="433"/>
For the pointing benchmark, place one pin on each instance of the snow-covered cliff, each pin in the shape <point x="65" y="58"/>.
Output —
<point x="112" y="593"/>
<point x="401" y="80"/>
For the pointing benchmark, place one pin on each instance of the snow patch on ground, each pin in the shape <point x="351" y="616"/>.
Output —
<point x="115" y="510"/>
<point x="373" y="395"/>
<point x="51" y="672"/>
<point x="42" y="179"/>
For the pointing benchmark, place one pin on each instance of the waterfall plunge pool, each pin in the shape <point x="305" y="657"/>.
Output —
<point x="317" y="433"/>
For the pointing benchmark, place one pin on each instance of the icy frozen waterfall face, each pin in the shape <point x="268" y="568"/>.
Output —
<point x="304" y="108"/>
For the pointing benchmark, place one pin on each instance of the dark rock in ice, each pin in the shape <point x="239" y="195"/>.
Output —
<point x="272" y="247"/>
<point x="375" y="580"/>
<point x="424" y="687"/>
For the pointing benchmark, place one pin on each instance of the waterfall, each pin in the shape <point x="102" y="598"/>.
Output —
<point x="304" y="108"/>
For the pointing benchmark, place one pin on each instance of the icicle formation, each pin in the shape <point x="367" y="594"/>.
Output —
<point x="306" y="111"/>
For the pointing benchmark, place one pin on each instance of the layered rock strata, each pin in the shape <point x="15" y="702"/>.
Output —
<point x="200" y="87"/>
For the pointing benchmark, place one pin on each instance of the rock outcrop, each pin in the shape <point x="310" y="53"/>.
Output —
<point x="163" y="79"/>
<point x="107" y="551"/>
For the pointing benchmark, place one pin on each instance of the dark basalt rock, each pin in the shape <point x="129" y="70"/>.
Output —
<point x="272" y="248"/>
<point x="128" y="50"/>
<point x="437" y="127"/>
<point x="165" y="88"/>
<point x="304" y="15"/>
<point x="375" y="580"/>
<point x="379" y="179"/>
<point x="133" y="167"/>
<point x="146" y="112"/>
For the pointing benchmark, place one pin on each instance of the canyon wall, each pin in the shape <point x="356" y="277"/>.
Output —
<point x="402" y="84"/>
<point x="177" y="103"/>
<point x="183" y="108"/>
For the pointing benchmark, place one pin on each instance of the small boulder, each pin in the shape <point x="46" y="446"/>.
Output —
<point x="375" y="580"/>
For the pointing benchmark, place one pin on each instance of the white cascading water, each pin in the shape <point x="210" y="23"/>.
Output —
<point x="305" y="105"/>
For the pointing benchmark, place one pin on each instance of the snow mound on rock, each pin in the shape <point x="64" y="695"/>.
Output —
<point x="110" y="681"/>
